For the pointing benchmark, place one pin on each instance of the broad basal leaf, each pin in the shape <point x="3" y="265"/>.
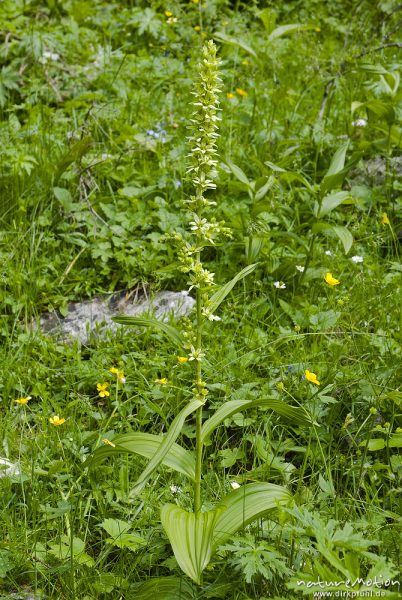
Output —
<point x="165" y="588"/>
<point x="146" y="444"/>
<point x="191" y="536"/>
<point x="244" y="505"/>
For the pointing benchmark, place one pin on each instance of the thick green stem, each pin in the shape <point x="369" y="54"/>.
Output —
<point x="199" y="445"/>
<point x="308" y="257"/>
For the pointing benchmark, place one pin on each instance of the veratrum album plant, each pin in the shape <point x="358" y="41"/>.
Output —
<point x="195" y="535"/>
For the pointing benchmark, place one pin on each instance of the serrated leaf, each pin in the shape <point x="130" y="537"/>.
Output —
<point x="298" y="415"/>
<point x="165" y="446"/>
<point x="344" y="235"/>
<point x="191" y="536"/>
<point x="232" y="41"/>
<point x="115" y="527"/>
<point x="146" y="444"/>
<point x="168" y="330"/>
<point x="219" y="296"/>
<point x="286" y="29"/>
<point x="120" y="536"/>
<point x="330" y="202"/>
<point x="244" y="505"/>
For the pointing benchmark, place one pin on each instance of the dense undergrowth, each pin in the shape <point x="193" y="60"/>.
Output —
<point x="95" y="108"/>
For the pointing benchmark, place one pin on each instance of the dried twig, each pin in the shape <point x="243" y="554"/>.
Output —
<point x="389" y="45"/>
<point x="90" y="184"/>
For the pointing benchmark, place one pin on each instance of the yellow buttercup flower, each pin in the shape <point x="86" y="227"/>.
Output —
<point x="230" y="95"/>
<point x="168" y="13"/>
<point x="385" y="219"/>
<point x="119" y="374"/>
<point x="312" y="377"/>
<point x="162" y="381"/>
<point x="102" y="389"/>
<point x="56" y="420"/>
<point x="23" y="400"/>
<point x="331" y="280"/>
<point x="182" y="359"/>
<point x="241" y="92"/>
<point x="108" y="443"/>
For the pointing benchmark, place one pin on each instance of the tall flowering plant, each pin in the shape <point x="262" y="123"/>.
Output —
<point x="195" y="535"/>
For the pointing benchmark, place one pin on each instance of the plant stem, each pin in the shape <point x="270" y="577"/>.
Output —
<point x="199" y="445"/>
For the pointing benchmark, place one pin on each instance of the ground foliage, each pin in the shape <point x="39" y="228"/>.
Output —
<point x="94" y="106"/>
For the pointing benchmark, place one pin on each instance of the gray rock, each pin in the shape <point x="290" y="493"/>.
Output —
<point x="95" y="316"/>
<point x="373" y="171"/>
<point x="8" y="468"/>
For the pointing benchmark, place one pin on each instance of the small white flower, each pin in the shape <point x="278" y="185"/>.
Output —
<point x="359" y="123"/>
<point x="357" y="259"/>
<point x="46" y="56"/>
<point x="235" y="485"/>
<point x="328" y="253"/>
<point x="300" y="268"/>
<point x="175" y="489"/>
<point x="280" y="285"/>
<point x="196" y="354"/>
<point x="207" y="313"/>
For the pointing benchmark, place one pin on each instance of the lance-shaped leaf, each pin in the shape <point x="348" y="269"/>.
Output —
<point x="151" y="322"/>
<point x="219" y="296"/>
<point x="191" y="536"/>
<point x="287" y="29"/>
<point x="234" y="41"/>
<point x="344" y="235"/>
<point x="298" y="415"/>
<point x="146" y="444"/>
<point x="329" y="202"/>
<point x="244" y="505"/>
<point x="165" y="446"/>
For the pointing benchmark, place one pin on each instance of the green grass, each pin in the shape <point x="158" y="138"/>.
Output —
<point x="89" y="198"/>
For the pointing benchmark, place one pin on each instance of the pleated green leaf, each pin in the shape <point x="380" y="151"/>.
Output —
<point x="223" y="291"/>
<point x="165" y="446"/>
<point x="244" y="505"/>
<point x="191" y="536"/>
<point x="151" y="322"/>
<point x="165" y="588"/>
<point x="146" y="444"/>
<point x="297" y="415"/>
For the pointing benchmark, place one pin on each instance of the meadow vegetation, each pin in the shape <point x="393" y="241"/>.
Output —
<point x="278" y="399"/>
